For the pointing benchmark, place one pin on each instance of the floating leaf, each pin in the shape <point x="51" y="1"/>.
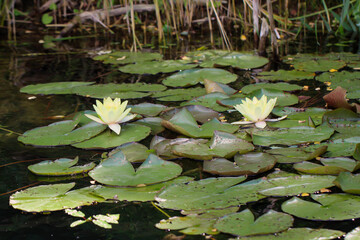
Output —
<point x="123" y="91"/>
<point x="154" y="123"/>
<point x="60" y="167"/>
<point x="184" y="123"/>
<point x="330" y="166"/>
<point x="133" y="151"/>
<point x="53" y="88"/>
<point x="209" y="100"/>
<point x="244" y="223"/>
<point x="283" y="99"/>
<point x="293" y="155"/>
<point x="108" y="139"/>
<point x="317" y="65"/>
<point x="353" y="235"/>
<point x="179" y="94"/>
<point x="299" y="234"/>
<point x="221" y="145"/>
<point x="200" y="113"/>
<point x="147" y="109"/>
<point x="122" y="57"/>
<point x="343" y="121"/>
<point x="61" y="133"/>
<point x="142" y="194"/>
<point x="348" y="183"/>
<point x="277" y="86"/>
<point x="194" y="76"/>
<point x="196" y="223"/>
<point x="337" y="206"/>
<point x="291" y="136"/>
<point x="52" y="198"/>
<point x="117" y="171"/>
<point x="285" y="75"/>
<point x="253" y="163"/>
<point x="156" y="67"/>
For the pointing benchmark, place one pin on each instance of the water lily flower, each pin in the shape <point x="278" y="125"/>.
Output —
<point x="256" y="111"/>
<point x="112" y="113"/>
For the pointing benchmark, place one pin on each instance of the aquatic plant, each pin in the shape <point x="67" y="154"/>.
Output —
<point x="112" y="113"/>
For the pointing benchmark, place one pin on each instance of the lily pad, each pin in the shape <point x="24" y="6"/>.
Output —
<point x="223" y="167"/>
<point x="184" y="123"/>
<point x="291" y="136"/>
<point x="283" y="99"/>
<point x="122" y="57"/>
<point x="53" y="88"/>
<point x="52" y="198"/>
<point x="133" y="151"/>
<point x="296" y="184"/>
<point x="194" y="76"/>
<point x="293" y="155"/>
<point x="123" y="91"/>
<point x="209" y="100"/>
<point x="344" y="121"/>
<point x="299" y="234"/>
<point x="108" y="139"/>
<point x="200" y="113"/>
<point x="141" y="194"/>
<point x="348" y="182"/>
<point x="353" y="235"/>
<point x="317" y="65"/>
<point x="244" y="223"/>
<point x="285" y="75"/>
<point x="196" y="223"/>
<point x="61" y="133"/>
<point x="337" y="206"/>
<point x="302" y="114"/>
<point x="152" y="122"/>
<point x="60" y="167"/>
<point x="255" y="162"/>
<point x="330" y="166"/>
<point x="156" y="67"/>
<point x="147" y="109"/>
<point x="221" y="145"/>
<point x="277" y="86"/>
<point x="118" y="171"/>
<point x="179" y="94"/>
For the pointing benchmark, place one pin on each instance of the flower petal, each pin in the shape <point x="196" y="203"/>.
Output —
<point x="128" y="118"/>
<point x="242" y="122"/>
<point x="115" y="127"/>
<point x="261" y="124"/>
<point x="94" y="118"/>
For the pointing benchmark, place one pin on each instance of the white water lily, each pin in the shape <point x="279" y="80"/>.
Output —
<point x="256" y="111"/>
<point x="112" y="113"/>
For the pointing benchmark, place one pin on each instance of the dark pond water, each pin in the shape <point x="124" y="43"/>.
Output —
<point x="20" y="66"/>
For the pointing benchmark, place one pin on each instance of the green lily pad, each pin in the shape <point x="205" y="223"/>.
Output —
<point x="147" y="109"/>
<point x="52" y="198"/>
<point x="223" y="167"/>
<point x="288" y="123"/>
<point x="204" y="194"/>
<point x="209" y="100"/>
<point x="221" y="145"/>
<point x="293" y="155"/>
<point x="196" y="223"/>
<point x="353" y="235"/>
<point x="179" y="94"/>
<point x="296" y="184"/>
<point x="299" y="234"/>
<point x="337" y="206"/>
<point x="123" y="91"/>
<point x="133" y="151"/>
<point x="200" y="113"/>
<point x="344" y="121"/>
<point x="347" y="80"/>
<point x="61" y="133"/>
<point x="300" y="113"/>
<point x="348" y="182"/>
<point x="60" y="167"/>
<point x="317" y="65"/>
<point x="53" y="88"/>
<point x="330" y="166"/>
<point x="156" y="67"/>
<point x="154" y="123"/>
<point x="285" y="75"/>
<point x="141" y="194"/>
<point x="194" y="76"/>
<point x="184" y="123"/>
<point x="255" y="162"/>
<point x="118" y="171"/>
<point x="277" y="86"/>
<point x="283" y="99"/>
<point x="109" y="139"/>
<point x="291" y="136"/>
<point x="244" y="223"/>
<point x="337" y="149"/>
<point x="121" y="57"/>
